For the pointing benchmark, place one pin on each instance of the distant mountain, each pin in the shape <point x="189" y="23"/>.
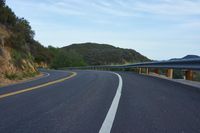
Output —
<point x="187" y="57"/>
<point x="104" y="54"/>
<point x="191" y="57"/>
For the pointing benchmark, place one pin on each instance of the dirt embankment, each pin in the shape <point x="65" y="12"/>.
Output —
<point x="13" y="70"/>
<point x="12" y="73"/>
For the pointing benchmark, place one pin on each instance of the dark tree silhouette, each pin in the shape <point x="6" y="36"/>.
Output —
<point x="2" y="2"/>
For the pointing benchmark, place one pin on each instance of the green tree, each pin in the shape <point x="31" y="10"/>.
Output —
<point x="23" y="27"/>
<point x="67" y="59"/>
<point x="40" y="53"/>
<point x="60" y="60"/>
<point x="7" y="17"/>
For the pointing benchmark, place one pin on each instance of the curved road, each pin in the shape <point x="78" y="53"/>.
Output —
<point x="98" y="101"/>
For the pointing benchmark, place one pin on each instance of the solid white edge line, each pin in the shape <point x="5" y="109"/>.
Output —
<point x="110" y="117"/>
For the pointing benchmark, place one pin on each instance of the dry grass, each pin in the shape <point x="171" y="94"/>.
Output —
<point x="4" y="81"/>
<point x="3" y="32"/>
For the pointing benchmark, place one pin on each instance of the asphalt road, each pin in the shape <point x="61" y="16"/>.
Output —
<point x="95" y="101"/>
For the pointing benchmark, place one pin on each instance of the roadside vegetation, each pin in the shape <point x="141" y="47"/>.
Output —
<point x="20" y="76"/>
<point x="17" y="60"/>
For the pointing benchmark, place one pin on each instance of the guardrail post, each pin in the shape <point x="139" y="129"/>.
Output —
<point x="189" y="75"/>
<point x="147" y="71"/>
<point x="169" y="73"/>
<point x="156" y="71"/>
<point x="140" y="70"/>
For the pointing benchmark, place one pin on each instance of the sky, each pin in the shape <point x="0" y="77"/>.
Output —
<point x="158" y="29"/>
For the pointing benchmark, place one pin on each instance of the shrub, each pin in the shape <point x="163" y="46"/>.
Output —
<point x="11" y="76"/>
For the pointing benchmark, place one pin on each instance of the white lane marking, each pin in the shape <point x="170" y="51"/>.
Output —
<point x="108" y="122"/>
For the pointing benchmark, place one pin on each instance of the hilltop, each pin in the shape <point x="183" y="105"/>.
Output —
<point x="191" y="57"/>
<point x="104" y="54"/>
<point x="187" y="57"/>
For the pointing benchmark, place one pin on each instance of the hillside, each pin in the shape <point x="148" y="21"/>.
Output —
<point x="191" y="57"/>
<point x="103" y="54"/>
<point x="187" y="57"/>
<point x="20" y="54"/>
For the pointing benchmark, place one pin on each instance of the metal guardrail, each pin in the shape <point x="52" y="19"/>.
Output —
<point x="188" y="64"/>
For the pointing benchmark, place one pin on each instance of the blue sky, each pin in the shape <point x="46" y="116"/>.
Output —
<point x="159" y="29"/>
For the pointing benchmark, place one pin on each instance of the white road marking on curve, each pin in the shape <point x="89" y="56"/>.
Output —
<point x="110" y="117"/>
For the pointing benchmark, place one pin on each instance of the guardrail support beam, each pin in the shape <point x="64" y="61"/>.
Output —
<point x="189" y="75"/>
<point x="169" y="73"/>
